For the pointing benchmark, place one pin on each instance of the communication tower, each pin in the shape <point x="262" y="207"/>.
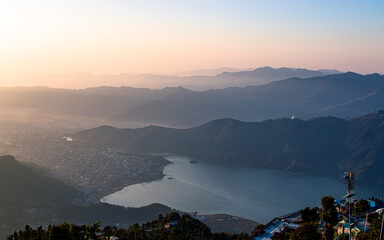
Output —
<point x="350" y="177"/>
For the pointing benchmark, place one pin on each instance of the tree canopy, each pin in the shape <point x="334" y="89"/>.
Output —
<point x="328" y="210"/>
<point x="170" y="227"/>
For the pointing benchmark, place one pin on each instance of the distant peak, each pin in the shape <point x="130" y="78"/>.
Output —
<point x="106" y="127"/>
<point x="379" y="112"/>
<point x="177" y="89"/>
<point x="329" y="71"/>
<point x="351" y="73"/>
<point x="264" y="68"/>
<point x="223" y="122"/>
<point x="374" y="75"/>
<point x="7" y="159"/>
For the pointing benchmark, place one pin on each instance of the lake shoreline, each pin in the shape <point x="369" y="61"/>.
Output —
<point x="123" y="183"/>
<point x="254" y="194"/>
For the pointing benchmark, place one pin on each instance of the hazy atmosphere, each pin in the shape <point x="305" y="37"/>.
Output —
<point x="191" y="119"/>
<point x="172" y="36"/>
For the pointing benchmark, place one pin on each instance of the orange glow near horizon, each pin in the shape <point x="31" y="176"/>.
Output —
<point x="102" y="37"/>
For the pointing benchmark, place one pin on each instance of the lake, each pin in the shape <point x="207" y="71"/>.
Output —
<point x="254" y="194"/>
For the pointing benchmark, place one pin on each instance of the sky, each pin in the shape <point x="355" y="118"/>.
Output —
<point x="170" y="36"/>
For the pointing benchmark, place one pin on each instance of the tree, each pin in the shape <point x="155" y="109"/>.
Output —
<point x="362" y="206"/>
<point x="186" y="227"/>
<point x="375" y="227"/>
<point x="328" y="211"/>
<point x="363" y="236"/>
<point x="328" y="232"/>
<point x="307" y="231"/>
<point x="309" y="215"/>
<point x="327" y="202"/>
<point x="345" y="237"/>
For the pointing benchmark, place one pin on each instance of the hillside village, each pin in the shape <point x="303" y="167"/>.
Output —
<point x="362" y="219"/>
<point x="281" y="227"/>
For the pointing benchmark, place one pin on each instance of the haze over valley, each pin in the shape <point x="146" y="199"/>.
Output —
<point x="285" y="125"/>
<point x="174" y="119"/>
<point x="340" y="95"/>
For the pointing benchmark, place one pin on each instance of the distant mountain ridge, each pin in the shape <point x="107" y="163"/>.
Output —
<point x="196" y="80"/>
<point x="210" y="72"/>
<point x="340" y="95"/>
<point x="325" y="146"/>
<point x="269" y="73"/>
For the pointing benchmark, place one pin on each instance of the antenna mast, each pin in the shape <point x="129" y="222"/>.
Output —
<point x="350" y="177"/>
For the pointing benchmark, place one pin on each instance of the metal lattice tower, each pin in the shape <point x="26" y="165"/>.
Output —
<point x="350" y="177"/>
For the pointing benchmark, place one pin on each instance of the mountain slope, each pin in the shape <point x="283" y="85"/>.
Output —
<point x="320" y="145"/>
<point x="340" y="95"/>
<point x="304" y="98"/>
<point x="27" y="197"/>
<point x="15" y="176"/>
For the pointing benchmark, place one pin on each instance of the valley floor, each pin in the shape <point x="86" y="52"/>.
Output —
<point x="94" y="170"/>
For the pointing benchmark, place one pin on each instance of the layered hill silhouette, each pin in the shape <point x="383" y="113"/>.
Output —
<point x="327" y="145"/>
<point x="340" y="95"/>
<point x="29" y="197"/>
<point x="196" y="80"/>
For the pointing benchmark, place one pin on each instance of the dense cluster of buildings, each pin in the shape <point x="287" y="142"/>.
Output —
<point x="358" y="222"/>
<point x="98" y="170"/>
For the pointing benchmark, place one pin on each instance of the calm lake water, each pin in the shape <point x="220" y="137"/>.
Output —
<point x="259" y="195"/>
